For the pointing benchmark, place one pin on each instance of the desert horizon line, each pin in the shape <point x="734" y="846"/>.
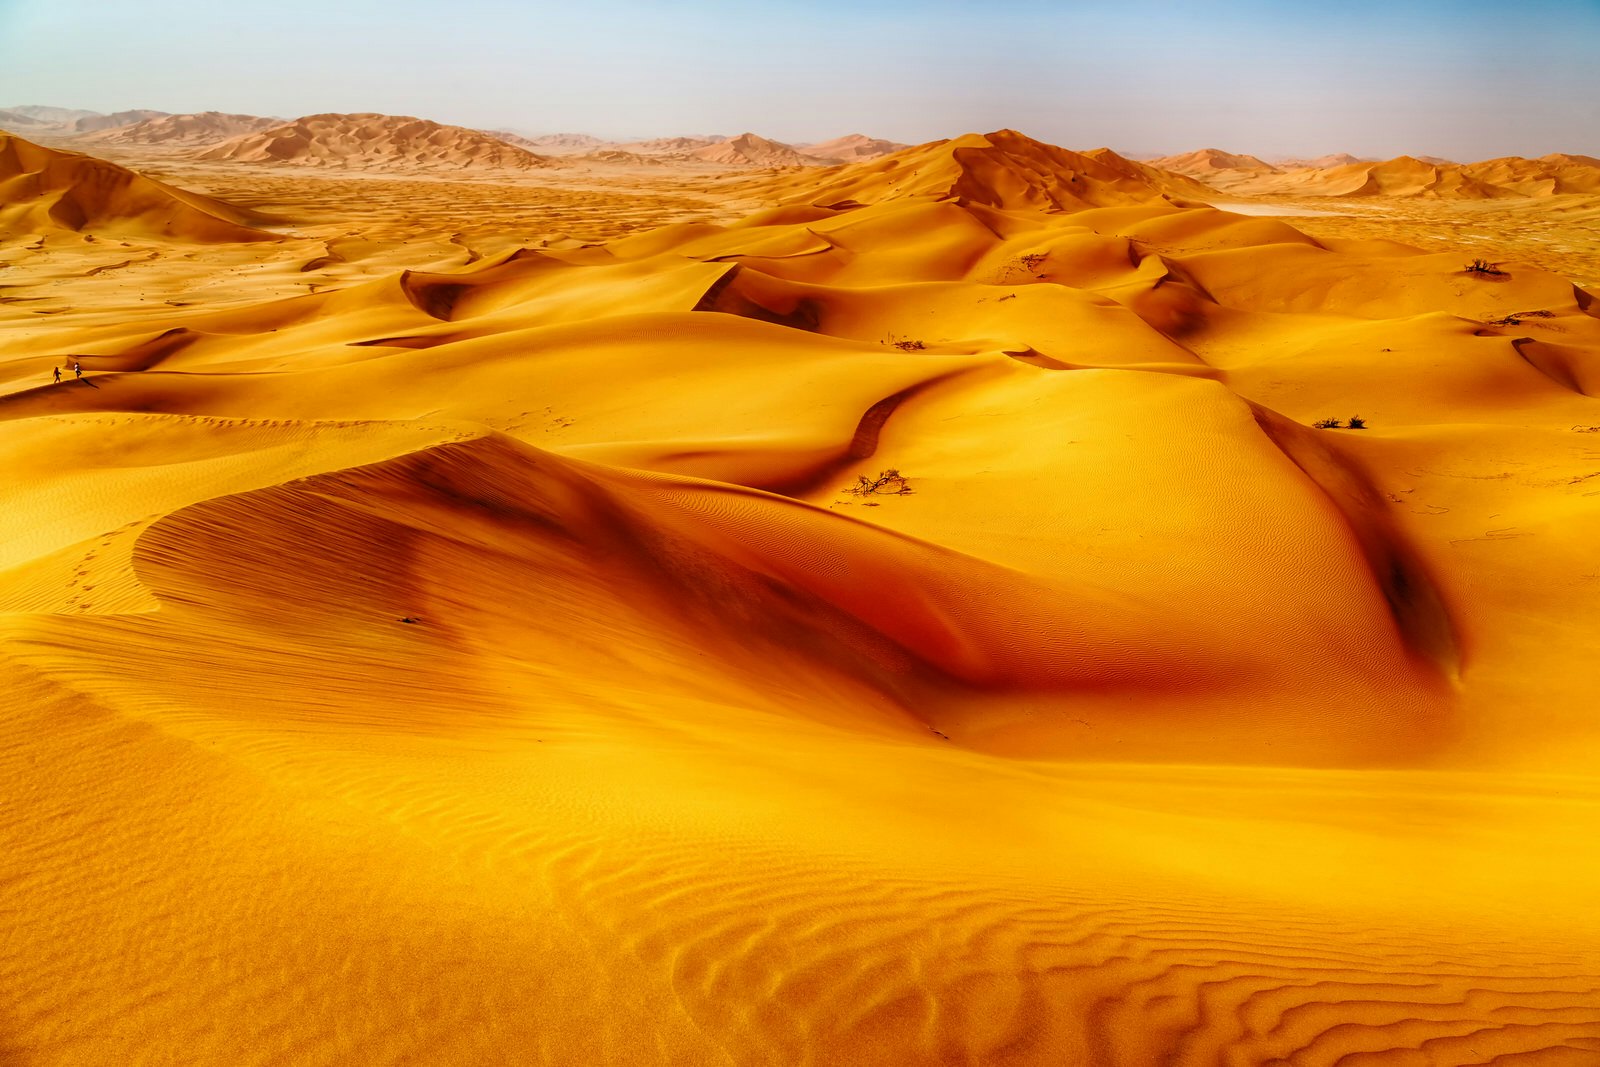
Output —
<point x="529" y="132"/>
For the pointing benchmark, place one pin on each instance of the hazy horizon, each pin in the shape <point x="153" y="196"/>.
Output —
<point x="1147" y="78"/>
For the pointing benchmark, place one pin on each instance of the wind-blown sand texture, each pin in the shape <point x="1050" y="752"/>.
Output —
<point x="422" y="646"/>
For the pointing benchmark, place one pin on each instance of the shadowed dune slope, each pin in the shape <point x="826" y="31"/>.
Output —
<point x="917" y="622"/>
<point x="43" y="190"/>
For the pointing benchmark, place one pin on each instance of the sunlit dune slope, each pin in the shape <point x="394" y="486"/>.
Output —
<point x="43" y="190"/>
<point x="371" y="141"/>
<point x="506" y="657"/>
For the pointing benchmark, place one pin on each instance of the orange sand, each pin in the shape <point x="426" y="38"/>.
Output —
<point x="430" y="643"/>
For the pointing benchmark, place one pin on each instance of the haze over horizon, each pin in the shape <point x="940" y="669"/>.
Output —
<point x="1270" y="79"/>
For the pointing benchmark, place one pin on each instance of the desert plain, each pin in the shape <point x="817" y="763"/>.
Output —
<point x="711" y="603"/>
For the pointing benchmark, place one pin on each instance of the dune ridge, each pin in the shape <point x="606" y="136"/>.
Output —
<point x="1556" y="174"/>
<point x="748" y="149"/>
<point x="372" y="141"/>
<point x="199" y="128"/>
<point x="851" y="147"/>
<point x="1002" y="169"/>
<point x="1209" y="160"/>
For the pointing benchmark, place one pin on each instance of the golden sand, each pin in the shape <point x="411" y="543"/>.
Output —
<point x="439" y="627"/>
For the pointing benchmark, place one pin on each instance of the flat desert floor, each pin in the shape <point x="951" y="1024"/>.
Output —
<point x="451" y="628"/>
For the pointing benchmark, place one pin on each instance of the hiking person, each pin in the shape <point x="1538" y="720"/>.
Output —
<point x="77" y="369"/>
<point x="58" y="375"/>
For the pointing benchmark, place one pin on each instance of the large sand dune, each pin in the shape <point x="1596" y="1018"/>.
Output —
<point x="44" y="191"/>
<point x="371" y="141"/>
<point x="753" y="150"/>
<point x="1004" y="169"/>
<point x="1206" y="161"/>
<point x="483" y="657"/>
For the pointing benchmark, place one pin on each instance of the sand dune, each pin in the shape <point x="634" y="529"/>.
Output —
<point x="93" y="123"/>
<point x="1406" y="176"/>
<point x="44" y="191"/>
<point x="1552" y="175"/>
<point x="750" y="150"/>
<point x="558" y="144"/>
<point x="1004" y="169"/>
<point x="490" y="651"/>
<point x="1332" y="159"/>
<point x="200" y="128"/>
<point x="851" y="147"/>
<point x="673" y="145"/>
<point x="63" y="117"/>
<point x="16" y="120"/>
<point x="1209" y="160"/>
<point x="370" y="141"/>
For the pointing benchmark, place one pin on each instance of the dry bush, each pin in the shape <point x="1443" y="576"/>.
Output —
<point x="888" y="483"/>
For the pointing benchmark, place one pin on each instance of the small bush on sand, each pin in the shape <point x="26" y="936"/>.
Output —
<point x="888" y="483"/>
<point x="1357" y="422"/>
<point x="1327" y="424"/>
<point x="1483" y="266"/>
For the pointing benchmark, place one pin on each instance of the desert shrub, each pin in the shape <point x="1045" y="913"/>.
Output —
<point x="1483" y="266"/>
<point x="888" y="483"/>
<point x="1327" y="424"/>
<point x="1357" y="422"/>
<point x="910" y="346"/>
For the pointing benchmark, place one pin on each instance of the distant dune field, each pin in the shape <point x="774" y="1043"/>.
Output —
<point x="481" y="608"/>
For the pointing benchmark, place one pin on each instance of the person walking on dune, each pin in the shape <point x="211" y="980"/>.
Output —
<point x="77" y="369"/>
<point x="58" y="375"/>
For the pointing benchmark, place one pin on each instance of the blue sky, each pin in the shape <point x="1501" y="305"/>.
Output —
<point x="1466" y="80"/>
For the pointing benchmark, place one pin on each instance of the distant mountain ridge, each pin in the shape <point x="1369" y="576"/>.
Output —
<point x="366" y="140"/>
<point x="200" y="128"/>
<point x="1556" y="174"/>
